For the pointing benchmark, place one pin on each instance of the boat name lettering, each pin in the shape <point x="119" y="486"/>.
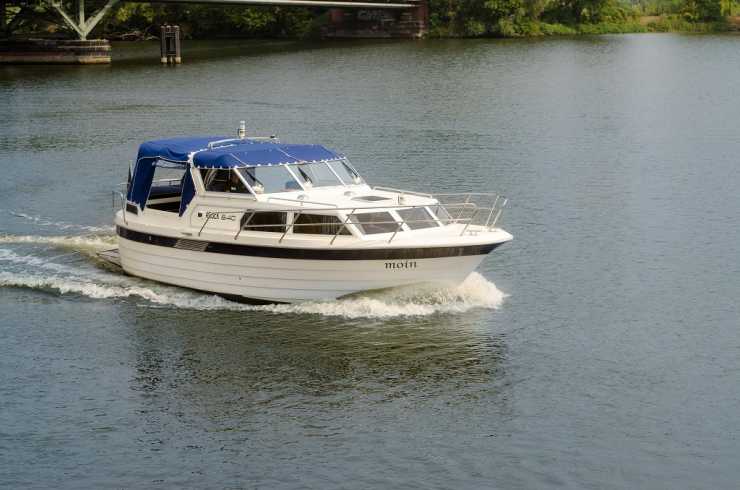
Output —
<point x="222" y="216"/>
<point x="407" y="264"/>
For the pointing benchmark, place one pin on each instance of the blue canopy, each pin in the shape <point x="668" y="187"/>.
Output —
<point x="225" y="154"/>
<point x="168" y="153"/>
<point x="259" y="154"/>
<point x="175" y="150"/>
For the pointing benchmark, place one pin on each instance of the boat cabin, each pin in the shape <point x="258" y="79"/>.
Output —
<point x="168" y="174"/>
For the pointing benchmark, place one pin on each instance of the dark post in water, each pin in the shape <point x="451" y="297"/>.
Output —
<point x="170" y="45"/>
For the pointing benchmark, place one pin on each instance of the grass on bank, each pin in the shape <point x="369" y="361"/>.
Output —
<point x="529" y="28"/>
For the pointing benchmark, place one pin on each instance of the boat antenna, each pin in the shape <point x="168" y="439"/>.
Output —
<point x="242" y="133"/>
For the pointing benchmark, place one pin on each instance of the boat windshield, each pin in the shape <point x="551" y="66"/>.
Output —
<point x="345" y="172"/>
<point x="268" y="179"/>
<point x="316" y="175"/>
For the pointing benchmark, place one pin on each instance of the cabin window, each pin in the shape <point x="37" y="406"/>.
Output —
<point x="268" y="179"/>
<point x="345" y="172"/>
<point x="316" y="174"/>
<point x="166" y="189"/>
<point x="318" y="224"/>
<point x="373" y="223"/>
<point x="417" y="218"/>
<point x="442" y="214"/>
<point x="223" y="180"/>
<point x="266" y="221"/>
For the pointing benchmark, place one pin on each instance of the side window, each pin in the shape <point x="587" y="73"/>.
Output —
<point x="345" y="172"/>
<point x="223" y="180"/>
<point x="417" y="218"/>
<point x="442" y="214"/>
<point x="269" y="179"/>
<point x="318" y="224"/>
<point x="166" y="190"/>
<point x="316" y="174"/>
<point x="266" y="221"/>
<point x="372" y="223"/>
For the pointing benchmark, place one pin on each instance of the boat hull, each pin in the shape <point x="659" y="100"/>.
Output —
<point x="287" y="280"/>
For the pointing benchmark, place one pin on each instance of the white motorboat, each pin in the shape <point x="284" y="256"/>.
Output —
<point x="259" y="220"/>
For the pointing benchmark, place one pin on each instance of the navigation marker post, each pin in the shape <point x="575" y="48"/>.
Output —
<point x="170" y="45"/>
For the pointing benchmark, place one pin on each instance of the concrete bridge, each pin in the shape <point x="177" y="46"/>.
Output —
<point x="348" y="18"/>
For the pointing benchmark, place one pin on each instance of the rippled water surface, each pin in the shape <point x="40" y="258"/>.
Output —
<point x="600" y="349"/>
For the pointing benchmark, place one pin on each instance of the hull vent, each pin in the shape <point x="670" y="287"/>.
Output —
<point x="194" y="245"/>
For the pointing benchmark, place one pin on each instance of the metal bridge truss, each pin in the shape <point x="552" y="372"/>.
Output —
<point x="83" y="25"/>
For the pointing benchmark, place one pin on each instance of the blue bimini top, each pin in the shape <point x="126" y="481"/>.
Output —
<point x="261" y="154"/>
<point x="214" y="152"/>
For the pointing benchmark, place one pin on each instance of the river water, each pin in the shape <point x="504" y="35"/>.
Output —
<point x="599" y="349"/>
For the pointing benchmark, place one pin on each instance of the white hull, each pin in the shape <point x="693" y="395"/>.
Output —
<point x="285" y="280"/>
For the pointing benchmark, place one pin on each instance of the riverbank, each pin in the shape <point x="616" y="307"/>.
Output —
<point x="652" y="23"/>
<point x="643" y="24"/>
<point x="447" y="19"/>
<point x="503" y="28"/>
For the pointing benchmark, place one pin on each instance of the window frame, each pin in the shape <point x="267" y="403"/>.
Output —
<point x="290" y="168"/>
<point x="287" y="168"/>
<point x="361" y="227"/>
<point x="343" y="230"/>
<point x="146" y="205"/>
<point x="351" y="170"/>
<point x="250" y="192"/>
<point x="432" y="219"/>
<point x="296" y="170"/>
<point x="443" y="221"/>
<point x="286" y="225"/>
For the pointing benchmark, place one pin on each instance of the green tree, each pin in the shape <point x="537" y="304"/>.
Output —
<point x="576" y="11"/>
<point x="703" y="10"/>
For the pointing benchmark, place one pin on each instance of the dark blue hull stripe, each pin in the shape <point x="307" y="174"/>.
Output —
<point x="305" y="253"/>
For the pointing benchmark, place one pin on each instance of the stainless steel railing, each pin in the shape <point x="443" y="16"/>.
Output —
<point x="478" y="209"/>
<point x="301" y="201"/>
<point x="122" y="199"/>
<point x="468" y="207"/>
<point x="464" y="213"/>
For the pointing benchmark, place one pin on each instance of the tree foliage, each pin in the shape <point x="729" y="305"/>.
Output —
<point x="201" y="21"/>
<point x="702" y="10"/>
<point x="543" y="17"/>
<point x="466" y="18"/>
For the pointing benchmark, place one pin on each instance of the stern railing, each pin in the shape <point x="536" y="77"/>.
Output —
<point x="121" y="197"/>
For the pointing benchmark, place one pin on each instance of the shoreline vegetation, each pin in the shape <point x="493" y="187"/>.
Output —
<point x="447" y="19"/>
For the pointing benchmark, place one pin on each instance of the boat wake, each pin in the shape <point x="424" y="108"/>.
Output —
<point x="67" y="265"/>
<point x="60" y="225"/>
<point x="82" y="243"/>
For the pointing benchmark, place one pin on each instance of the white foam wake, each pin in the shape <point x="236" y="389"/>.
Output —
<point x="474" y="292"/>
<point x="61" y="225"/>
<point x="89" y="242"/>
<point x="65" y="270"/>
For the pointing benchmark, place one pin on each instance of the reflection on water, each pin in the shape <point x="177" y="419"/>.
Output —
<point x="225" y="365"/>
